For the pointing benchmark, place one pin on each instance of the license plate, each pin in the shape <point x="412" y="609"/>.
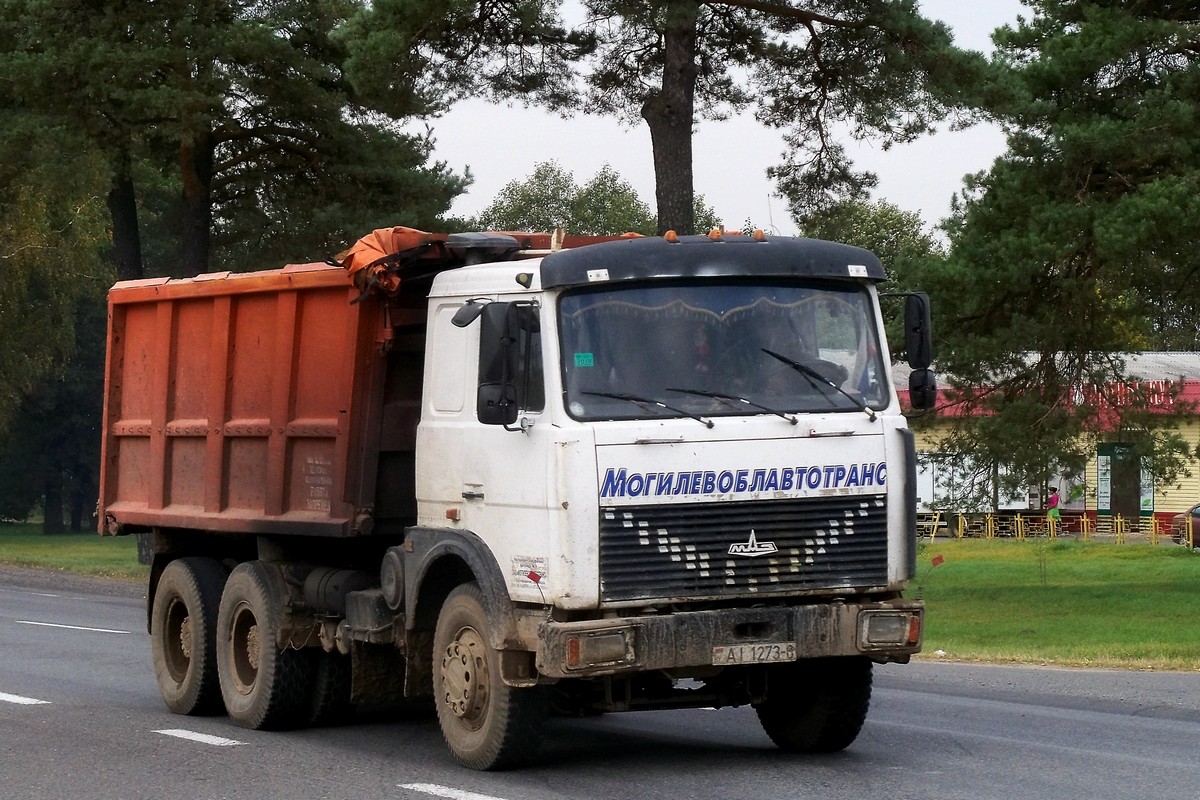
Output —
<point x="760" y="653"/>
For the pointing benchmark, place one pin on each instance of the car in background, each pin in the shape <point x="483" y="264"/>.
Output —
<point x="1179" y="526"/>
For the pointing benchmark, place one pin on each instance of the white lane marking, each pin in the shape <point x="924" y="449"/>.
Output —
<point x="22" y="701"/>
<point x="446" y="791"/>
<point x="202" y="738"/>
<point x="31" y="593"/>
<point x="68" y="627"/>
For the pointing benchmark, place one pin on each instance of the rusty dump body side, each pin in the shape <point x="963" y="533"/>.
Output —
<point x="243" y="403"/>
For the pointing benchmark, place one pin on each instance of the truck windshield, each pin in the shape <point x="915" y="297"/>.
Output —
<point x="714" y="349"/>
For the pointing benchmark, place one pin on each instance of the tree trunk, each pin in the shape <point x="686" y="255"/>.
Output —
<point x="77" y="512"/>
<point x="122" y="206"/>
<point x="196" y="169"/>
<point x="669" y="113"/>
<point x="52" y="519"/>
<point x="82" y="488"/>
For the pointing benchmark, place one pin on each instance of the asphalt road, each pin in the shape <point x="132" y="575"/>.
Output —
<point x="80" y="717"/>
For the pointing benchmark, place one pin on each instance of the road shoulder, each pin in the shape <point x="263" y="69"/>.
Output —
<point x="56" y="580"/>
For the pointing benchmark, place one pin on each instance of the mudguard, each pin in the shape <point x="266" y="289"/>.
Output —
<point x="425" y="548"/>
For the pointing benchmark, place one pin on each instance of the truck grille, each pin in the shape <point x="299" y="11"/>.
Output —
<point x="683" y="551"/>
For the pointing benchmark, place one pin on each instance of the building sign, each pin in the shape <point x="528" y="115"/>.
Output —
<point x="1146" y="506"/>
<point x="1158" y="395"/>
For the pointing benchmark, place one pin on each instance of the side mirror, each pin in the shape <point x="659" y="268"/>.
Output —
<point x="497" y="342"/>
<point x="496" y="403"/>
<point x="497" y="396"/>
<point x="922" y="389"/>
<point x="467" y="313"/>
<point x="918" y="331"/>
<point x="507" y="338"/>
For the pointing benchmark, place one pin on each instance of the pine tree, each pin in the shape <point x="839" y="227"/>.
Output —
<point x="240" y="107"/>
<point x="874" y="67"/>
<point x="1077" y="242"/>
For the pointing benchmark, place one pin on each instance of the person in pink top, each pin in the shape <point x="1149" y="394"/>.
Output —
<point x="1053" y="514"/>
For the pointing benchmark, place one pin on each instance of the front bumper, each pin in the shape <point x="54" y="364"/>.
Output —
<point x="884" y="631"/>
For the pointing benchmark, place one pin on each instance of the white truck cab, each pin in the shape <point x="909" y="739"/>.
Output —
<point x="683" y="460"/>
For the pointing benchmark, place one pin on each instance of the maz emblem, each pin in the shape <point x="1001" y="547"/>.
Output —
<point x="752" y="548"/>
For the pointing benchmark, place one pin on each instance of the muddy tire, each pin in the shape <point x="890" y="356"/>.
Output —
<point x="331" y="689"/>
<point x="486" y="724"/>
<point x="183" y="626"/>
<point x="816" y="706"/>
<point x="263" y="687"/>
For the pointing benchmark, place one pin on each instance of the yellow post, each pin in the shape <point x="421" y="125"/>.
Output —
<point x="1020" y="528"/>
<point x="1119" y="528"/>
<point x="1153" y="530"/>
<point x="1191" y="539"/>
<point x="1085" y="527"/>
<point x="962" y="525"/>
<point x="990" y="527"/>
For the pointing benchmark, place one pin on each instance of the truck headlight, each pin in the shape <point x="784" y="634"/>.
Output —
<point x="883" y="629"/>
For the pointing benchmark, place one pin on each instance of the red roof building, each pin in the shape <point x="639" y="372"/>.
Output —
<point x="1113" y="484"/>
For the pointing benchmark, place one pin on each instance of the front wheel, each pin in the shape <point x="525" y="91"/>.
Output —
<point x="263" y="687"/>
<point x="486" y="724"/>
<point x="816" y="706"/>
<point x="183" y="625"/>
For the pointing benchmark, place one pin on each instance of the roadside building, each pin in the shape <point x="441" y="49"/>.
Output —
<point x="1114" y="483"/>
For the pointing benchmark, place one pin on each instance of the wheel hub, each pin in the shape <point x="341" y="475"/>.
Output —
<point x="465" y="677"/>
<point x="177" y="640"/>
<point x="185" y="638"/>
<point x="252" y="651"/>
<point x="246" y="648"/>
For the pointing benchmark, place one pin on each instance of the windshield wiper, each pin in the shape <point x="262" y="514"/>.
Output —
<point x="813" y="374"/>
<point x="732" y="399"/>
<point x="644" y="401"/>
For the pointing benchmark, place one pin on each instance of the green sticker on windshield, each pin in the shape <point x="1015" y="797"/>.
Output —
<point x="585" y="360"/>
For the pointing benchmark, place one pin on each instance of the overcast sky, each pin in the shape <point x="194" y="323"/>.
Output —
<point x="502" y="143"/>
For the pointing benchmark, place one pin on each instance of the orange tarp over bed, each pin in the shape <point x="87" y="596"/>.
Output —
<point x="365" y="259"/>
<point x="372" y="261"/>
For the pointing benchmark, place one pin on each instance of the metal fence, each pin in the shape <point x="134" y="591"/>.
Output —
<point x="1027" y="525"/>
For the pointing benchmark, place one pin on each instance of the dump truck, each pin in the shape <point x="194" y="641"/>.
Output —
<point x="521" y="475"/>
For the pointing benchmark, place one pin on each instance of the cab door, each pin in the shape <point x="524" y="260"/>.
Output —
<point x="499" y="478"/>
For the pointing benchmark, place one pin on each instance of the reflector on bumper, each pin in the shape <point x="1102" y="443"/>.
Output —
<point x="601" y="648"/>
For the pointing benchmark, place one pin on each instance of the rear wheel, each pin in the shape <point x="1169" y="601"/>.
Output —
<point x="486" y="724"/>
<point x="816" y="706"/>
<point x="183" y="625"/>
<point x="262" y="686"/>
<point x="331" y="689"/>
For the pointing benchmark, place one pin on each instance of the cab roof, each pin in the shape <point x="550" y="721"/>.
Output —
<point x="707" y="257"/>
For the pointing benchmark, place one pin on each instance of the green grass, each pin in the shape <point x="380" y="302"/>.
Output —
<point x="24" y="545"/>
<point x="1054" y="602"/>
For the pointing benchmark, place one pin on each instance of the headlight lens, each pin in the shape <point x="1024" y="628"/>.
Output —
<point x="885" y="629"/>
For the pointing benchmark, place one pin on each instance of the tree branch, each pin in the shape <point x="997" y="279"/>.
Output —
<point x="784" y="10"/>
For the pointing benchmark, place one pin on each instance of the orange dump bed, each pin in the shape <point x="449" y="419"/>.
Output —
<point x="241" y="403"/>
<point x="284" y="401"/>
